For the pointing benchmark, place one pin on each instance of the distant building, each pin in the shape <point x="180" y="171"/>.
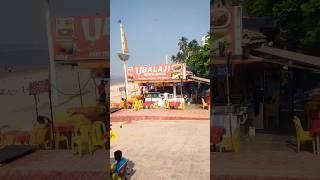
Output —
<point x="204" y="40"/>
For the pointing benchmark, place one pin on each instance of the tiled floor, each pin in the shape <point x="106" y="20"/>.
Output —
<point x="57" y="164"/>
<point x="177" y="150"/>
<point x="266" y="157"/>
<point x="160" y="114"/>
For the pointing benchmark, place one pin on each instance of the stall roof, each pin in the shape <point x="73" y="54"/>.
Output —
<point x="221" y="60"/>
<point x="289" y="55"/>
<point x="203" y="80"/>
<point x="163" y="81"/>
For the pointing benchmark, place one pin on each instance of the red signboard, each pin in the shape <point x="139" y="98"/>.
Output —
<point x="157" y="72"/>
<point x="81" y="38"/>
<point x="39" y="87"/>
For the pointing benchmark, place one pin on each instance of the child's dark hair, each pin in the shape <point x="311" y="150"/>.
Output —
<point x="118" y="155"/>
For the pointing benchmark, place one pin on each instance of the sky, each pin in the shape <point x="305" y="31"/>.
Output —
<point x="153" y="29"/>
<point x="23" y="28"/>
<point x="23" y="22"/>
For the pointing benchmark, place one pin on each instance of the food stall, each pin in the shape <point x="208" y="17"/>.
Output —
<point x="161" y="82"/>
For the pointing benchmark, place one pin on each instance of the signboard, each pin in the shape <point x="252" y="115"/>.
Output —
<point x="80" y="38"/>
<point x="227" y="28"/>
<point x="39" y="87"/>
<point x="157" y="72"/>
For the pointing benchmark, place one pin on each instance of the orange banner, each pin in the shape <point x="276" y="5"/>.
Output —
<point x="157" y="72"/>
<point x="81" y="38"/>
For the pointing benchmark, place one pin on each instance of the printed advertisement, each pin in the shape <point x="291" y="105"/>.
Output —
<point x="157" y="72"/>
<point x="80" y="38"/>
<point x="227" y="29"/>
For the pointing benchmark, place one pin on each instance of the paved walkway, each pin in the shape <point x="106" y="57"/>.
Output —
<point x="177" y="150"/>
<point x="57" y="164"/>
<point x="160" y="114"/>
<point x="266" y="157"/>
<point x="265" y="165"/>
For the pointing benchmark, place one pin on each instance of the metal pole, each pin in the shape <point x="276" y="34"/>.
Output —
<point x="228" y="97"/>
<point x="52" y="123"/>
<point x="181" y="88"/>
<point x="52" y="71"/>
<point x="95" y="87"/>
<point x="35" y="99"/>
<point x="125" y="78"/>
<point x="79" y="84"/>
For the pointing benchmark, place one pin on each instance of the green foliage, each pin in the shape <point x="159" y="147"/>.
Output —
<point x="300" y="18"/>
<point x="258" y="7"/>
<point x="182" y="55"/>
<point x="195" y="56"/>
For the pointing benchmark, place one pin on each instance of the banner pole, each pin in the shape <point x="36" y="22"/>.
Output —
<point x="52" y="123"/>
<point x="36" y="103"/>
<point x="51" y="55"/>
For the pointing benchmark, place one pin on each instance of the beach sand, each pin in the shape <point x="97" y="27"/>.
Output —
<point x="115" y="94"/>
<point x="18" y="107"/>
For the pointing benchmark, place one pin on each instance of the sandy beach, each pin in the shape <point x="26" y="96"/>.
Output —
<point x="115" y="94"/>
<point x="18" y="107"/>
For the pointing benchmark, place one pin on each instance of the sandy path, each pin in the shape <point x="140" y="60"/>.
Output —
<point x="165" y="149"/>
<point x="18" y="109"/>
<point x="115" y="95"/>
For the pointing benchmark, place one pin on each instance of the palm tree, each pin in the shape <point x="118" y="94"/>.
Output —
<point x="183" y="46"/>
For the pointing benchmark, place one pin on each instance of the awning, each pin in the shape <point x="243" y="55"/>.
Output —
<point x="163" y="81"/>
<point x="291" y="57"/>
<point x="235" y="61"/>
<point x="199" y="79"/>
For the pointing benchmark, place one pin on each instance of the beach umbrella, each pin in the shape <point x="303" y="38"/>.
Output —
<point x="124" y="56"/>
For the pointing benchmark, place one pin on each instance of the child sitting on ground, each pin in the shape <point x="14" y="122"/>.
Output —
<point x="118" y="169"/>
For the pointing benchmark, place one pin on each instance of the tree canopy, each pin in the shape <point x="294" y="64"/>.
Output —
<point x="194" y="55"/>
<point x="299" y="19"/>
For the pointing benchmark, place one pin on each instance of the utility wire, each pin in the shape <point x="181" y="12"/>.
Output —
<point x="71" y="94"/>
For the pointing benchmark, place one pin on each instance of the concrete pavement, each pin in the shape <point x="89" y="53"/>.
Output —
<point x="165" y="149"/>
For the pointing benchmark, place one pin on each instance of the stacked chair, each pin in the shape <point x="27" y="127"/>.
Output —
<point x="182" y="105"/>
<point x="231" y="144"/>
<point x="98" y="134"/>
<point x="204" y="104"/>
<point x="137" y="105"/>
<point x="166" y="104"/>
<point x="302" y="135"/>
<point x="81" y="139"/>
<point x="87" y="136"/>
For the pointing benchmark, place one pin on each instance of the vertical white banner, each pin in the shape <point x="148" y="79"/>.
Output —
<point x="52" y="72"/>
